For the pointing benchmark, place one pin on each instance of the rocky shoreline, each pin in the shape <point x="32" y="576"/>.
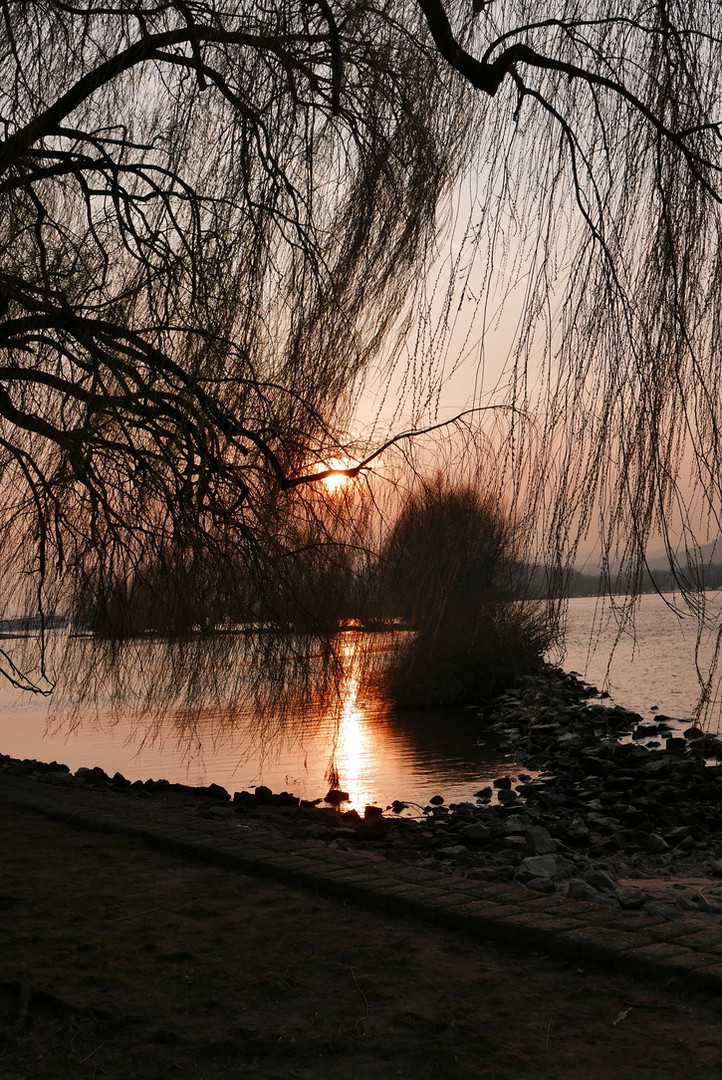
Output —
<point x="600" y="797"/>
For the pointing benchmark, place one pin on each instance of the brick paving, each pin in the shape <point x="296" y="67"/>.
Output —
<point x="686" y="946"/>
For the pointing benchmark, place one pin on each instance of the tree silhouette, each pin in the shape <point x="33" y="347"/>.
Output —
<point x="451" y="570"/>
<point x="215" y="218"/>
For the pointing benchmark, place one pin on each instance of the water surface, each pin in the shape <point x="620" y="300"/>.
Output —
<point x="355" y="738"/>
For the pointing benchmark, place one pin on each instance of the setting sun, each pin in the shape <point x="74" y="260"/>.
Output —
<point x="338" y="480"/>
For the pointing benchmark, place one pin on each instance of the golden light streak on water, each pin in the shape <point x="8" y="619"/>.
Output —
<point x="356" y="743"/>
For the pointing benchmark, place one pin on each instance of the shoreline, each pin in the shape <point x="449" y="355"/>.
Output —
<point x="608" y="805"/>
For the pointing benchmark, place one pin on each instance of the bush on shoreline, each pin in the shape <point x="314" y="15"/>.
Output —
<point x="452" y="569"/>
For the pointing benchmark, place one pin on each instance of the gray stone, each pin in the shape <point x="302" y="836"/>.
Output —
<point x="452" y="852"/>
<point x="541" y="884"/>
<point x="582" y="890"/>
<point x="601" y="881"/>
<point x="656" y="844"/>
<point x="516" y="843"/>
<point x="539" y="841"/>
<point x="537" y="866"/>
<point x="515" y="826"/>
<point x="570" y="739"/>
<point x="630" y="897"/>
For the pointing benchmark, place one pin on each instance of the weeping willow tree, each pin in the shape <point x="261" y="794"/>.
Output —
<point x="218" y="218"/>
<point x="604" y="201"/>
<point x="211" y="215"/>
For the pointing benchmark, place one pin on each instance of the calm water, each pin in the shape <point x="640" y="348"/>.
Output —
<point x="374" y="753"/>
<point x="355" y="741"/>
<point x="650" y="667"/>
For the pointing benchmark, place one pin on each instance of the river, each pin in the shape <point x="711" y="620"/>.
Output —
<point x="356" y="740"/>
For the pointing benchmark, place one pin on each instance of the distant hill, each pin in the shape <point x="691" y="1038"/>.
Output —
<point x="703" y="555"/>
<point x="698" y="567"/>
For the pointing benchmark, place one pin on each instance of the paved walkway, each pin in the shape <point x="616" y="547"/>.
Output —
<point x="687" y="946"/>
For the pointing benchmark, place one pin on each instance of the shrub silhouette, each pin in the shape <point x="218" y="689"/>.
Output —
<point x="452" y="570"/>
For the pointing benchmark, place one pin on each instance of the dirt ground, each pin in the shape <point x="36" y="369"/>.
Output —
<point x="120" y="961"/>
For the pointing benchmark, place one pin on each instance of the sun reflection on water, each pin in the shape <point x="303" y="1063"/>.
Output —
<point x="355" y="744"/>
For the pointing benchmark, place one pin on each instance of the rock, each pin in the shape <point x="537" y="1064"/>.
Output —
<point x="630" y="897"/>
<point x="284" y="798"/>
<point x="539" y="841"/>
<point x="157" y="785"/>
<point x="656" y="844"/>
<point x="335" y="796"/>
<point x="537" y="866"/>
<point x="372" y="812"/>
<point x="570" y="740"/>
<point x="216" y="792"/>
<point x="515" y="826"/>
<point x="578" y="834"/>
<point x="582" y="890"/>
<point x="263" y="793"/>
<point x="476" y="834"/>
<point x="436" y="800"/>
<point x="644" y="731"/>
<point x="677" y="835"/>
<point x="502" y="782"/>
<point x="515" y="843"/>
<point x="541" y="884"/>
<point x="506" y="797"/>
<point x="484" y="794"/>
<point x="397" y="806"/>
<point x="95" y="775"/>
<point x="675" y="742"/>
<point x="452" y="852"/>
<point x="601" y="881"/>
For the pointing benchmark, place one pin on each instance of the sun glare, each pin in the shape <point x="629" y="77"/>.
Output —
<point x="336" y="481"/>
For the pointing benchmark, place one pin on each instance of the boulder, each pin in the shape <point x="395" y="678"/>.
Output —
<point x="541" y="884"/>
<point x="539" y="841"/>
<point x="334" y="797"/>
<point x="582" y="890"/>
<point x="630" y="897"/>
<point x="601" y="881"/>
<point x="537" y="866"/>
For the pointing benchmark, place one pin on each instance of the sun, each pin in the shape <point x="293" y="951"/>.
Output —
<point x="338" y="480"/>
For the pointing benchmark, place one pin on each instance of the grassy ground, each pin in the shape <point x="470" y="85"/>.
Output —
<point x="120" y="961"/>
